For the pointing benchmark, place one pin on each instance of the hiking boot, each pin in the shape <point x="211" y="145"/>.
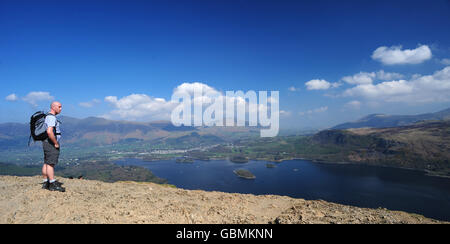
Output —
<point x="58" y="183"/>
<point x="45" y="185"/>
<point x="56" y="186"/>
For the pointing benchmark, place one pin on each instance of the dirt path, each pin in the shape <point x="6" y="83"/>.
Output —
<point x="23" y="201"/>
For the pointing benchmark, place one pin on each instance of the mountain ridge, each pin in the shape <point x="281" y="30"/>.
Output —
<point x="385" y="120"/>
<point x="423" y="146"/>
<point x="96" y="131"/>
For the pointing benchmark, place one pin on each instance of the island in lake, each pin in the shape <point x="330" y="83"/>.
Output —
<point x="239" y="159"/>
<point x="243" y="173"/>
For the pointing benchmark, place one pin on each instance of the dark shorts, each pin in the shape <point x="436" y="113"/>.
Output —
<point x="51" y="154"/>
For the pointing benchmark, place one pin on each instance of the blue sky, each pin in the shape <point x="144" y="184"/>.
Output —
<point x="359" y="57"/>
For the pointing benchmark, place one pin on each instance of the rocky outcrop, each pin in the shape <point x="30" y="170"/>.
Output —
<point x="23" y="201"/>
<point x="421" y="146"/>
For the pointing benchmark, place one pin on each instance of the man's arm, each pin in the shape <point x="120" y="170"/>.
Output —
<point x="52" y="136"/>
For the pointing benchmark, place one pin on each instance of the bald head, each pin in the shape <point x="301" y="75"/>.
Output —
<point x="55" y="107"/>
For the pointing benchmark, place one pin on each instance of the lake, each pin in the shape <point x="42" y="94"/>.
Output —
<point x="357" y="185"/>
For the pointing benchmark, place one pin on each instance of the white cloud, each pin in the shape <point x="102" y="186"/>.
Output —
<point x="111" y="99"/>
<point x="381" y="75"/>
<point x="12" y="97"/>
<point x="369" y="78"/>
<point x="144" y="108"/>
<point x="445" y="61"/>
<point x="293" y="89"/>
<point x="285" y="113"/>
<point x="139" y="107"/>
<point x="317" y="85"/>
<point x="89" y="104"/>
<point x="355" y="104"/>
<point x="419" y="89"/>
<point x="34" y="97"/>
<point x="196" y="86"/>
<point x="320" y="85"/>
<point x="360" y="78"/>
<point x="395" y="55"/>
<point x="313" y="111"/>
<point x="384" y="89"/>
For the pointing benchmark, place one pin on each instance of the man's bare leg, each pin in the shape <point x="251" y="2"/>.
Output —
<point x="50" y="172"/>
<point x="44" y="172"/>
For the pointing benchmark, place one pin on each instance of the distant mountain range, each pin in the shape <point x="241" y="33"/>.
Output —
<point x="384" y="120"/>
<point x="93" y="131"/>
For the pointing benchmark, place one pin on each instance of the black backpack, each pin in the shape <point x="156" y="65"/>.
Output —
<point x="38" y="128"/>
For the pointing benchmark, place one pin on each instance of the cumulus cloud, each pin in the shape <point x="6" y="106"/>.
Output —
<point x="368" y="78"/>
<point x="419" y="89"/>
<point x="138" y="107"/>
<point x="384" y="89"/>
<point x="144" y="108"/>
<point x="360" y="78"/>
<point x="320" y="85"/>
<point x="37" y="96"/>
<point x="356" y="79"/>
<point x="395" y="55"/>
<point x="190" y="88"/>
<point x="12" y="97"/>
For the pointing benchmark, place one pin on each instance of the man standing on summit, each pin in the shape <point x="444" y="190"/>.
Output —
<point x="51" y="149"/>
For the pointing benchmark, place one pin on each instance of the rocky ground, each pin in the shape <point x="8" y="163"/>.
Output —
<point x="23" y="201"/>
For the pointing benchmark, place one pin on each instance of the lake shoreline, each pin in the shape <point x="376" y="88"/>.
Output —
<point x="426" y="172"/>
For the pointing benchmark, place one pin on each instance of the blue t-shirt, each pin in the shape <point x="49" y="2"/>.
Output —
<point x="51" y="121"/>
